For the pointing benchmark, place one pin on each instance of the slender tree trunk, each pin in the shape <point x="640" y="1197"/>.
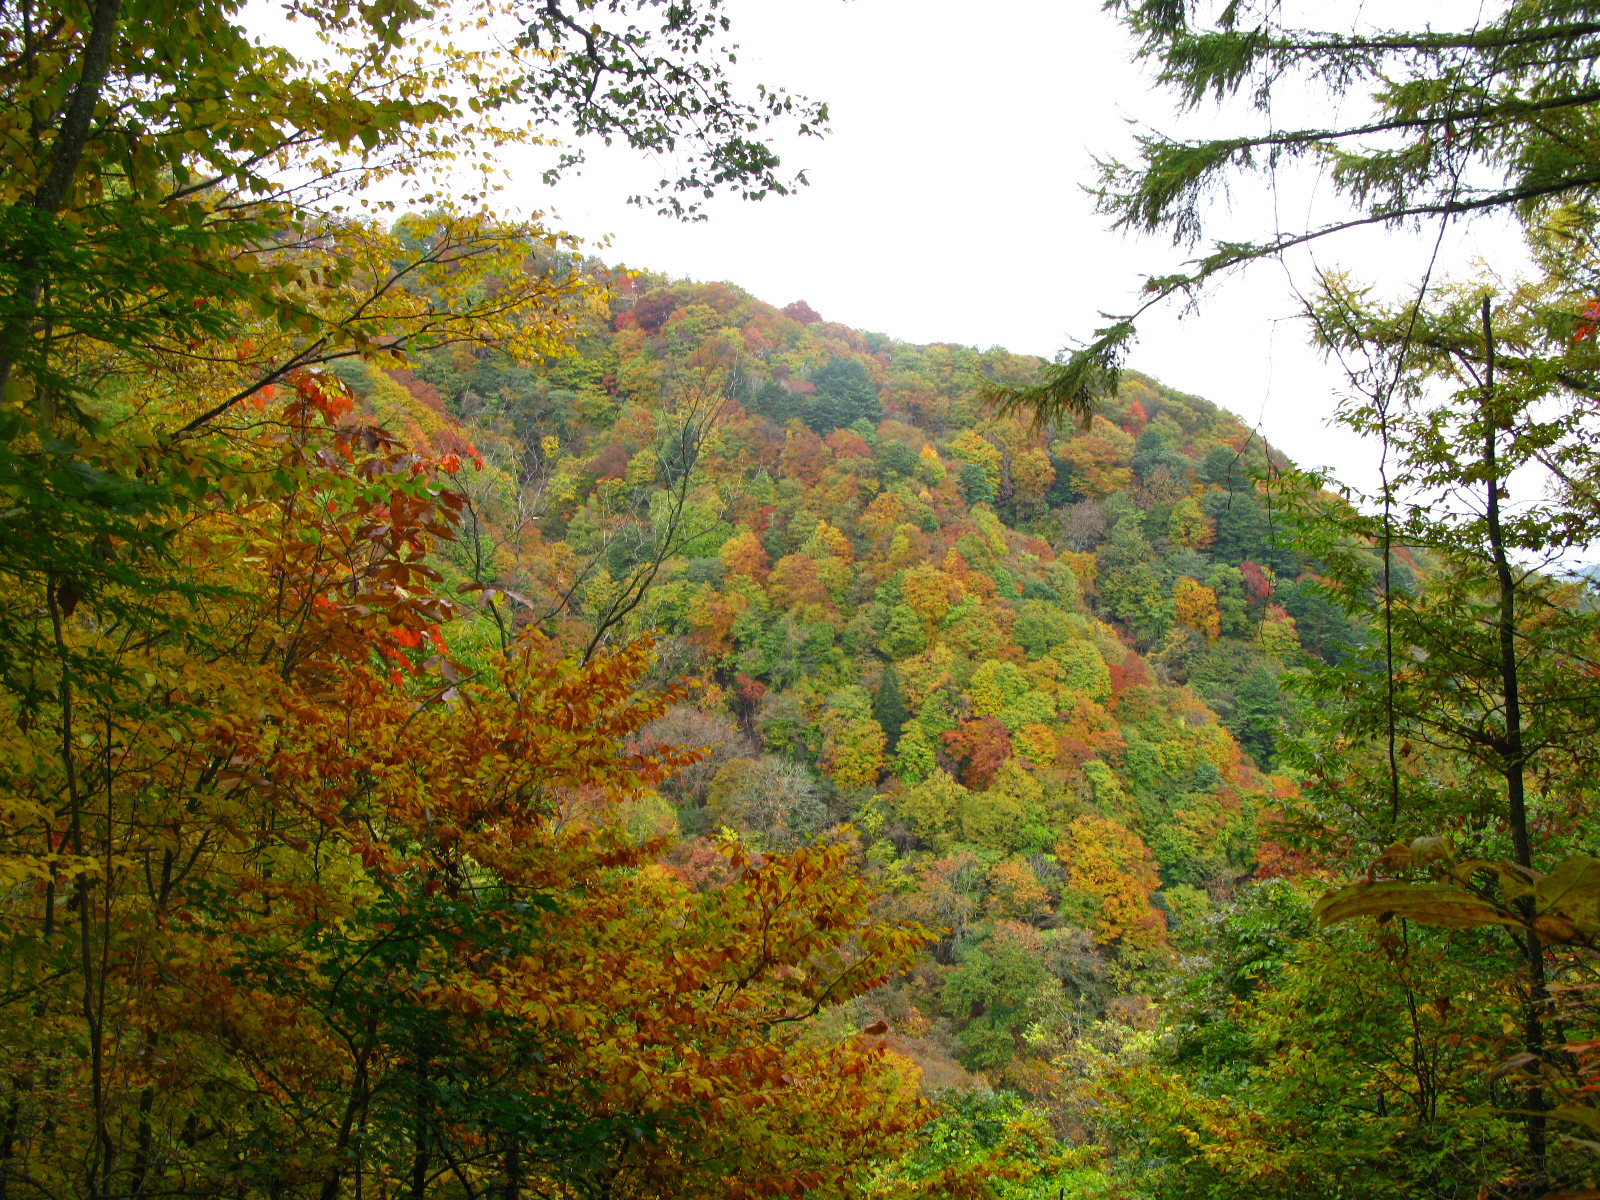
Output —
<point x="421" y="1150"/>
<point x="333" y="1181"/>
<point x="146" y="1134"/>
<point x="420" y="1158"/>
<point x="53" y="190"/>
<point x="1392" y="739"/>
<point x="100" y="1145"/>
<point x="50" y="887"/>
<point x="512" y="1189"/>
<point x="8" y="1141"/>
<point x="1514" y="755"/>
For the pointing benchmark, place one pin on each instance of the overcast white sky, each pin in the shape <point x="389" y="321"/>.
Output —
<point x="946" y="204"/>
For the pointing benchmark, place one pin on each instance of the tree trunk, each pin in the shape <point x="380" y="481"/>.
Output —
<point x="1513" y="755"/>
<point x="99" y="1158"/>
<point x="512" y="1189"/>
<point x="53" y="190"/>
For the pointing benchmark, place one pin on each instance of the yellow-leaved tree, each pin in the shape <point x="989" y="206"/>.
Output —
<point x="312" y="889"/>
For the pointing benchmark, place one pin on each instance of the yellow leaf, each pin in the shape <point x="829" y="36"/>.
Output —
<point x="1437" y="904"/>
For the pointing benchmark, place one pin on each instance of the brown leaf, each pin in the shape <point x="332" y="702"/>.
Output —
<point x="1438" y="904"/>
<point x="67" y="596"/>
<point x="1427" y="849"/>
<point x="1553" y="928"/>
<point x="1508" y="1065"/>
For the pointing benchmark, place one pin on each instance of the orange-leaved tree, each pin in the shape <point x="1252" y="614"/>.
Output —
<point x="303" y="904"/>
<point x="1112" y="872"/>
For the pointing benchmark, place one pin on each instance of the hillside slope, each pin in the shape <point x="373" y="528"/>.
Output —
<point x="1038" y="672"/>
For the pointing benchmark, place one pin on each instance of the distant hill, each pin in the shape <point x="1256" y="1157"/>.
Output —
<point x="1039" y="671"/>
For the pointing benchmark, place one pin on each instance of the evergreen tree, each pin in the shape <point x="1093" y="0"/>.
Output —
<point x="1227" y="469"/>
<point x="1061" y="492"/>
<point x="775" y="402"/>
<point x="1499" y="116"/>
<point x="1257" y="702"/>
<point x="1151" y="454"/>
<point x="897" y="457"/>
<point x="844" y="395"/>
<point x="974" y="484"/>
<point x="889" y="707"/>
<point x="1244" y="531"/>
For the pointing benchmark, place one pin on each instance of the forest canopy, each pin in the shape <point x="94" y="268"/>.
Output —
<point x="480" y="720"/>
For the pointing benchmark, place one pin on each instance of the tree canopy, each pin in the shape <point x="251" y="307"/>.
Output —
<point x="476" y="721"/>
<point x="1496" y="114"/>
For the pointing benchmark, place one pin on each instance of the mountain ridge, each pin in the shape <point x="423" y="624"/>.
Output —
<point x="1040" y="673"/>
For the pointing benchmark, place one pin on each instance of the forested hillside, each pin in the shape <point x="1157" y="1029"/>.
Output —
<point x="479" y="723"/>
<point x="1053" y="688"/>
<point x="1034" y="678"/>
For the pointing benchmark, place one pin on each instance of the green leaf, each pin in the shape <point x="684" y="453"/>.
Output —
<point x="1578" y="1114"/>
<point x="1070" y="390"/>
<point x="1573" y="890"/>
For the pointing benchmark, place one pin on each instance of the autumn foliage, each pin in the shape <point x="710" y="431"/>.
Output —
<point x="476" y="722"/>
<point x="370" y="913"/>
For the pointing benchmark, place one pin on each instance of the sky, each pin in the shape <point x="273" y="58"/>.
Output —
<point x="947" y="204"/>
